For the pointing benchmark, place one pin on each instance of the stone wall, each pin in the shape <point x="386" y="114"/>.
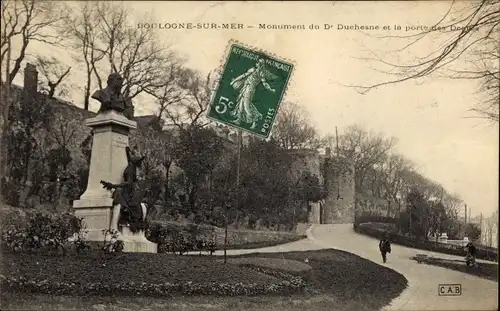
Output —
<point x="306" y="160"/>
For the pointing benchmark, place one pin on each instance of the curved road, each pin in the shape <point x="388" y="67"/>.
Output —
<point x="423" y="280"/>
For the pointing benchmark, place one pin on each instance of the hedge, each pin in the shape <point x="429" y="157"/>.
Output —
<point x="176" y="239"/>
<point x="365" y="218"/>
<point x="481" y="253"/>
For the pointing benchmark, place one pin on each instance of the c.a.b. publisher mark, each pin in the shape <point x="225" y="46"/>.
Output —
<point x="250" y="90"/>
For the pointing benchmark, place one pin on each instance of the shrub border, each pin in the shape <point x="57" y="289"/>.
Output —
<point x="425" y="245"/>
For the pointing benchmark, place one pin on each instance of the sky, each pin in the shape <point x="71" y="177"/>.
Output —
<point x="428" y="117"/>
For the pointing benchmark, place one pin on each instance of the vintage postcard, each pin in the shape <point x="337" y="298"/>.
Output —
<point x="249" y="155"/>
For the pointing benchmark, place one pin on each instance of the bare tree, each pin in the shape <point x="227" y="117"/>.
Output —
<point x="168" y="94"/>
<point x="136" y="53"/>
<point x="184" y="98"/>
<point x="491" y="225"/>
<point x="452" y="204"/>
<point x="82" y="31"/>
<point x="23" y="22"/>
<point x="101" y="33"/>
<point x="293" y="128"/>
<point x="54" y="74"/>
<point x="366" y="150"/>
<point x="63" y="130"/>
<point x="393" y="171"/>
<point x="470" y="32"/>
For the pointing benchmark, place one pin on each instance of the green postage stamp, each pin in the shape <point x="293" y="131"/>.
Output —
<point x="251" y="87"/>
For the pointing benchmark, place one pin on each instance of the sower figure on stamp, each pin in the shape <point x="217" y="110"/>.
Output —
<point x="112" y="99"/>
<point x="128" y="208"/>
<point x="246" y="85"/>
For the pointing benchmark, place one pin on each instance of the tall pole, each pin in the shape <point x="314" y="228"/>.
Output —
<point x="238" y="141"/>
<point x="338" y="159"/>
<point x="466" y="214"/>
<point x="469" y="214"/>
<point x="337" y="141"/>
<point x="411" y="212"/>
<point x="481" y="227"/>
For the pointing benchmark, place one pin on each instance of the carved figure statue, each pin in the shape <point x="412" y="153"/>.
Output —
<point x="128" y="208"/>
<point x="111" y="97"/>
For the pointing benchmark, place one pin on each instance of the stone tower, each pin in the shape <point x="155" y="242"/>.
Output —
<point x="308" y="160"/>
<point x="338" y="175"/>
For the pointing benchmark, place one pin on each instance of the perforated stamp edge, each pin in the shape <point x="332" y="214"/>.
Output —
<point x="222" y="64"/>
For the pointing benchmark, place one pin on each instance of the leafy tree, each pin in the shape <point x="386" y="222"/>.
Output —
<point x="437" y="219"/>
<point x="419" y="211"/>
<point x="307" y="189"/>
<point x="472" y="231"/>
<point x="158" y="146"/>
<point x="266" y="184"/>
<point x="197" y="153"/>
<point x="22" y="22"/>
<point x="29" y="116"/>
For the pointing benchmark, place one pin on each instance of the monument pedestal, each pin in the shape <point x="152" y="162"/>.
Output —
<point x="108" y="161"/>
<point x="136" y="242"/>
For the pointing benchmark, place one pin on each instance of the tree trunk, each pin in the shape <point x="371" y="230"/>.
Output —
<point x="3" y="161"/>
<point x="52" y="90"/>
<point x="86" y="100"/>
<point x="4" y="128"/>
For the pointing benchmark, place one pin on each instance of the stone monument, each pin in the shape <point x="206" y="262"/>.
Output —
<point x="113" y="165"/>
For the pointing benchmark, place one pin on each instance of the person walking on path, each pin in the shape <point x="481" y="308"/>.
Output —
<point x="385" y="247"/>
<point x="470" y="257"/>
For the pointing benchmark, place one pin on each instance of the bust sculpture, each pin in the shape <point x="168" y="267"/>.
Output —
<point x="111" y="97"/>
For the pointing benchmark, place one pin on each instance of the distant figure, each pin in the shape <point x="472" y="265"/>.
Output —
<point x="470" y="257"/>
<point x="385" y="247"/>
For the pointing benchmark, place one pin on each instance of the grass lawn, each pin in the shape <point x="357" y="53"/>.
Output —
<point x="483" y="270"/>
<point x="334" y="280"/>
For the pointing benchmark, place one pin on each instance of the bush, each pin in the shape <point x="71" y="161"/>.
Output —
<point x="481" y="253"/>
<point x="366" y="217"/>
<point x="11" y="192"/>
<point x="175" y="239"/>
<point x="45" y="233"/>
<point x="113" y="245"/>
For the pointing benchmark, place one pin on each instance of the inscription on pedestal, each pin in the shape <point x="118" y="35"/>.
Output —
<point x="95" y="221"/>
<point x="120" y="141"/>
